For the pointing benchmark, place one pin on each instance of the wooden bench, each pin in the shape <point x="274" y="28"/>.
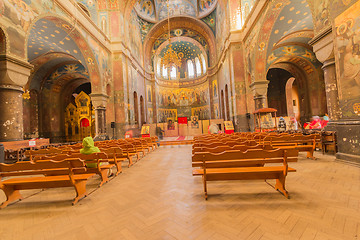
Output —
<point x="99" y="159"/>
<point x="304" y="143"/>
<point x="223" y="148"/>
<point x="42" y="175"/>
<point x="249" y="165"/>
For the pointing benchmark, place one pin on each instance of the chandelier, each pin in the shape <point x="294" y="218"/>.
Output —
<point x="170" y="58"/>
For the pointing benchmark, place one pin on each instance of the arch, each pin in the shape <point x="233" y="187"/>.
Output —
<point x="89" y="60"/>
<point x="193" y="24"/>
<point x="292" y="98"/>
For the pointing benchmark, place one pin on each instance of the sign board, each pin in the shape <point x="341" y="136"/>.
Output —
<point x="229" y="125"/>
<point x="32" y="143"/>
<point x="145" y="130"/>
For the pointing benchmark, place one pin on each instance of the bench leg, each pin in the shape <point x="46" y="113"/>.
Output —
<point x="280" y="186"/>
<point x="80" y="188"/>
<point x="118" y="168"/>
<point x="205" y="188"/>
<point x="11" y="195"/>
<point x="310" y="154"/>
<point x="130" y="161"/>
<point x="104" y="176"/>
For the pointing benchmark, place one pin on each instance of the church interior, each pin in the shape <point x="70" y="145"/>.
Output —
<point x="151" y="82"/>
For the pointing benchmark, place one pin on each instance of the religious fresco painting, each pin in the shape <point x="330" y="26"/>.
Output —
<point x="149" y="93"/>
<point x="215" y="89"/>
<point x="348" y="53"/>
<point x="176" y="7"/>
<point x="146" y="9"/>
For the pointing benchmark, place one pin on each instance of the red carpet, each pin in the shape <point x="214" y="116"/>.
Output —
<point x="180" y="138"/>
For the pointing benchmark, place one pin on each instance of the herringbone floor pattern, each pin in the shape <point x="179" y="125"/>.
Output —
<point x="158" y="198"/>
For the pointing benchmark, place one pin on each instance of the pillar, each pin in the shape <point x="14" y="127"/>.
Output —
<point x="99" y="101"/>
<point x="259" y="89"/>
<point x="14" y="74"/>
<point x="332" y="96"/>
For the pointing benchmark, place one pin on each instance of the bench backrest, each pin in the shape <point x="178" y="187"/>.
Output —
<point x="41" y="167"/>
<point x="249" y="157"/>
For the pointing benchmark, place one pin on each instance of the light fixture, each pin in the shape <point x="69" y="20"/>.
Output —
<point x="170" y="58"/>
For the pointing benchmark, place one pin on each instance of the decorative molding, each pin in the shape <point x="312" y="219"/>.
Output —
<point x="321" y="35"/>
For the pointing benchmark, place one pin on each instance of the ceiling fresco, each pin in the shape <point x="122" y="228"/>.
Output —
<point x="186" y="50"/>
<point x="46" y="36"/>
<point x="181" y="33"/>
<point x="210" y="20"/>
<point x="157" y="10"/>
<point x="296" y="15"/>
<point x="176" y="8"/>
<point x="66" y="73"/>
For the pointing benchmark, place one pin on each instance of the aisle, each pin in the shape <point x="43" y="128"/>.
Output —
<point x="158" y="198"/>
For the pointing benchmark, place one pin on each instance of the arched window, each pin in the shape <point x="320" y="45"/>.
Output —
<point x="164" y="72"/>
<point x="198" y="67"/>
<point x="190" y="66"/>
<point x="158" y="68"/>
<point x="173" y="72"/>
<point x="203" y="63"/>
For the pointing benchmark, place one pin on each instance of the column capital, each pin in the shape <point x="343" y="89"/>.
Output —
<point x="323" y="45"/>
<point x="259" y="88"/>
<point x="14" y="71"/>
<point x="99" y="100"/>
<point x="327" y="63"/>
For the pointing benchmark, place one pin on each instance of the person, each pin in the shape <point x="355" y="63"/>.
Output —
<point x="89" y="148"/>
<point x="293" y="125"/>
<point x="159" y="132"/>
<point x="315" y="123"/>
<point x="282" y="124"/>
<point x="325" y="121"/>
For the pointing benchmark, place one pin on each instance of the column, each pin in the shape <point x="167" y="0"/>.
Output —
<point x="100" y="121"/>
<point x="331" y="89"/>
<point x="14" y="74"/>
<point x="259" y="89"/>
<point x="99" y="101"/>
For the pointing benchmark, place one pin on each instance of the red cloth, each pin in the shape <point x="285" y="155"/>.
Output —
<point x="84" y="122"/>
<point x="182" y="120"/>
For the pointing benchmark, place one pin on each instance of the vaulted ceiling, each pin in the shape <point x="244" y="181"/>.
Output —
<point x="157" y="10"/>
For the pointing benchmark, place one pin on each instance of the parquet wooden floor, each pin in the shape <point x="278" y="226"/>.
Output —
<point x="158" y="198"/>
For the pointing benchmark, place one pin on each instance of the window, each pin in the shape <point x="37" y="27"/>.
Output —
<point x="173" y="72"/>
<point x="164" y="72"/>
<point x="158" y="68"/>
<point x="198" y="67"/>
<point x="203" y="63"/>
<point x="190" y="66"/>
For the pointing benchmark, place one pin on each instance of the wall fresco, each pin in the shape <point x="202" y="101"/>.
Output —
<point x="348" y="55"/>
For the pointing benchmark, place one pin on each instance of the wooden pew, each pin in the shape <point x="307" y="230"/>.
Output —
<point x="304" y="143"/>
<point x="42" y="175"/>
<point x="100" y="169"/>
<point x="223" y="148"/>
<point x="249" y="165"/>
<point x="117" y="156"/>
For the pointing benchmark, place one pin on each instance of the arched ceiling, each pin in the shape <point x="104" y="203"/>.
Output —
<point x="157" y="10"/>
<point x="47" y="36"/>
<point x="185" y="49"/>
<point x="295" y="16"/>
<point x="181" y="27"/>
